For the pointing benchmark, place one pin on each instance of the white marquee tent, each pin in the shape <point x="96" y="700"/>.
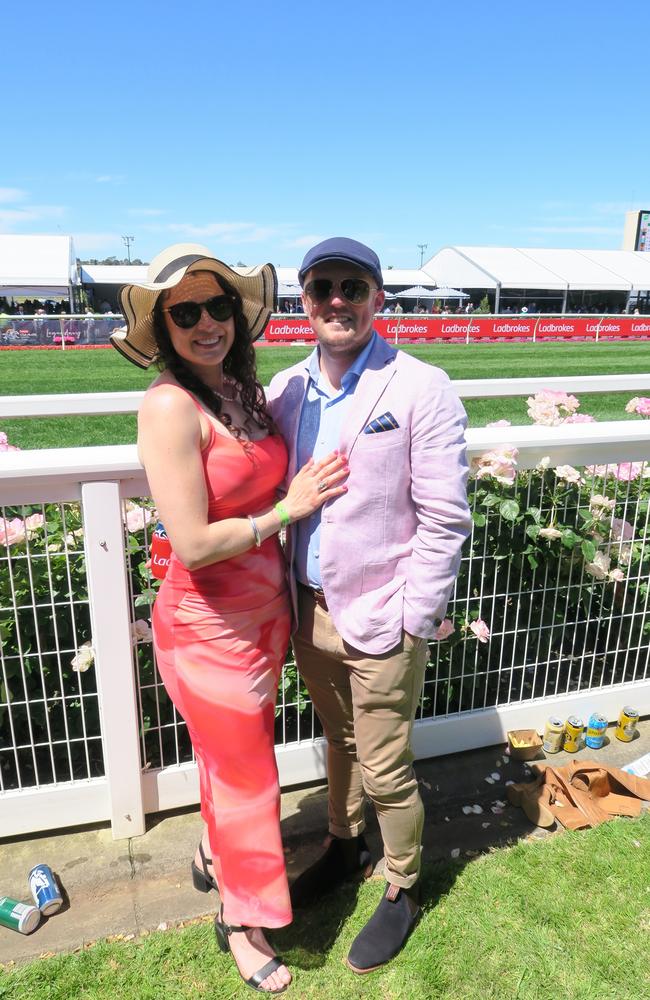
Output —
<point x="560" y="271"/>
<point x="42" y="267"/>
<point x="113" y="274"/>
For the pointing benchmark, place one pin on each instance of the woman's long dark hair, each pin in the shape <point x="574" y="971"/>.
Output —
<point x="238" y="366"/>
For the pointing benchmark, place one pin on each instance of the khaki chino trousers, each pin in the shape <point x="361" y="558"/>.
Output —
<point x="367" y="705"/>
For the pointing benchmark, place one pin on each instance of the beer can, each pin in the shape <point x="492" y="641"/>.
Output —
<point x="627" y="722"/>
<point x="20" y="917"/>
<point x="161" y="551"/>
<point x="573" y="733"/>
<point x="553" y="734"/>
<point x="45" y="890"/>
<point x="596" y="729"/>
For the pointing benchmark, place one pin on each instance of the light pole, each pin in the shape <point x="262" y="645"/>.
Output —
<point x="422" y="247"/>
<point x="127" y="241"/>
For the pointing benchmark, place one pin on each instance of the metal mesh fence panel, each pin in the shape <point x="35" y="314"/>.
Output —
<point x="552" y="594"/>
<point x="49" y="713"/>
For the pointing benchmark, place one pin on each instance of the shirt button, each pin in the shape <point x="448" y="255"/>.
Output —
<point x="316" y="555"/>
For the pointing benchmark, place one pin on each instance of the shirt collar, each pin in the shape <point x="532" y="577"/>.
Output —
<point x="312" y="363"/>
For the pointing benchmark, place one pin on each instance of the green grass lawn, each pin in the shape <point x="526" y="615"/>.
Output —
<point x="566" y="918"/>
<point x="27" y="372"/>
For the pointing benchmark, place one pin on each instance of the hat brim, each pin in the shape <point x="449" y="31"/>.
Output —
<point x="257" y="288"/>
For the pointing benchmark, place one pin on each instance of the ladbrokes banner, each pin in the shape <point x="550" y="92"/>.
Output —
<point x="473" y="328"/>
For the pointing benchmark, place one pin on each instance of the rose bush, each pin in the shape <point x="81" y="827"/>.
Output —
<point x="556" y="570"/>
<point x="48" y="690"/>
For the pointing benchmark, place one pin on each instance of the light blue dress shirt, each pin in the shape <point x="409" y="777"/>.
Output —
<point x="323" y="413"/>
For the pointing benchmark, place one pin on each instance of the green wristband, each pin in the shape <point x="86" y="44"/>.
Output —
<point x="282" y="513"/>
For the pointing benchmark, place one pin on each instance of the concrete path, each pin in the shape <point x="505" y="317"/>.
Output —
<point x="127" y="887"/>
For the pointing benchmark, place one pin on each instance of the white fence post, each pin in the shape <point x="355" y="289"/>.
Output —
<point x="110" y="616"/>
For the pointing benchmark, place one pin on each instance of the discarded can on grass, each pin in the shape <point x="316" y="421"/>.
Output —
<point x="596" y="729"/>
<point x="45" y="890"/>
<point x="553" y="734"/>
<point x="19" y="916"/>
<point x="161" y="551"/>
<point x="627" y="723"/>
<point x="573" y="734"/>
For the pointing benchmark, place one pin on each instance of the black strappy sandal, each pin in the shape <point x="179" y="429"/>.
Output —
<point x="223" y="932"/>
<point x="203" y="880"/>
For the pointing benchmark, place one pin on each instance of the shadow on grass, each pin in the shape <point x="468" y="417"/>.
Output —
<point x="306" y="944"/>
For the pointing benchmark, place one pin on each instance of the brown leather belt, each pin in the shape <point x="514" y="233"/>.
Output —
<point x="317" y="595"/>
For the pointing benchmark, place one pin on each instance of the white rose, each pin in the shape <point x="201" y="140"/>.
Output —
<point x="84" y="659"/>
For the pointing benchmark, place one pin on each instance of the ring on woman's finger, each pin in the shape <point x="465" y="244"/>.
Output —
<point x="322" y="486"/>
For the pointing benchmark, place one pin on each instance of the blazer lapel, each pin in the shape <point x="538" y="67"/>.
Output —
<point x="372" y="384"/>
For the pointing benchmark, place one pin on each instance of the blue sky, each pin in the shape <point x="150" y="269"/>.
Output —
<point x="259" y="128"/>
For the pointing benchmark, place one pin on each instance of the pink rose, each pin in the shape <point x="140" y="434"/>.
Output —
<point x="568" y="473"/>
<point x="622" y="531"/>
<point x="640" y="405"/>
<point x="500" y="463"/>
<point x="480" y="630"/>
<point x="579" y="418"/>
<point x="599" y="471"/>
<point x="627" y="471"/>
<point x="136" y="518"/>
<point x="599" y="504"/>
<point x="543" y="412"/>
<point x="141" y="631"/>
<point x="4" y="444"/>
<point x="12" y="531"/>
<point x="445" y="629"/>
<point x="599" y="568"/>
<point x="33" y="523"/>
<point x="551" y="407"/>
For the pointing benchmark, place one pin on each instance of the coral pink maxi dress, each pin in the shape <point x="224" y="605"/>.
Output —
<point x="221" y="634"/>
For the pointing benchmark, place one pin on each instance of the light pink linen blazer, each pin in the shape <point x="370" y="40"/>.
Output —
<point x="390" y="546"/>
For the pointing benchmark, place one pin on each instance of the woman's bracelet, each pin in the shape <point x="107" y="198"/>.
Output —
<point x="283" y="514"/>
<point x="256" y="532"/>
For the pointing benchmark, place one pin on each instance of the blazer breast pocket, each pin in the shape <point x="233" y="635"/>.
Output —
<point x="370" y="442"/>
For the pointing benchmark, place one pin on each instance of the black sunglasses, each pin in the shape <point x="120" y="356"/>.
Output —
<point x="187" y="314"/>
<point x="355" y="290"/>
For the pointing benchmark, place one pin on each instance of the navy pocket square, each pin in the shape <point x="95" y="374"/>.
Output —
<point x="386" y="422"/>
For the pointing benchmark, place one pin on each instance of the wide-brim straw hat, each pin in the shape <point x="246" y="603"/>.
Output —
<point x="257" y="287"/>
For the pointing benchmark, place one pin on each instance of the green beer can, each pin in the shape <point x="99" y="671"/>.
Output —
<point x="19" y="916"/>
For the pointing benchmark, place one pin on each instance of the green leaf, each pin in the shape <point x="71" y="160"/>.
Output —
<point x="509" y="509"/>
<point x="535" y="513"/>
<point x="491" y="500"/>
<point x="569" y="538"/>
<point x="588" y="550"/>
<point x="479" y="519"/>
<point x="532" y="561"/>
<point x="532" y="531"/>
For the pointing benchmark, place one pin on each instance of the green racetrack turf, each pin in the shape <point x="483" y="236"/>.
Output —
<point x="103" y="370"/>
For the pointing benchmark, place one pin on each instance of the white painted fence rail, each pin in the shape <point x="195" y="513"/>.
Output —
<point x="100" y="479"/>
<point x="64" y="404"/>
